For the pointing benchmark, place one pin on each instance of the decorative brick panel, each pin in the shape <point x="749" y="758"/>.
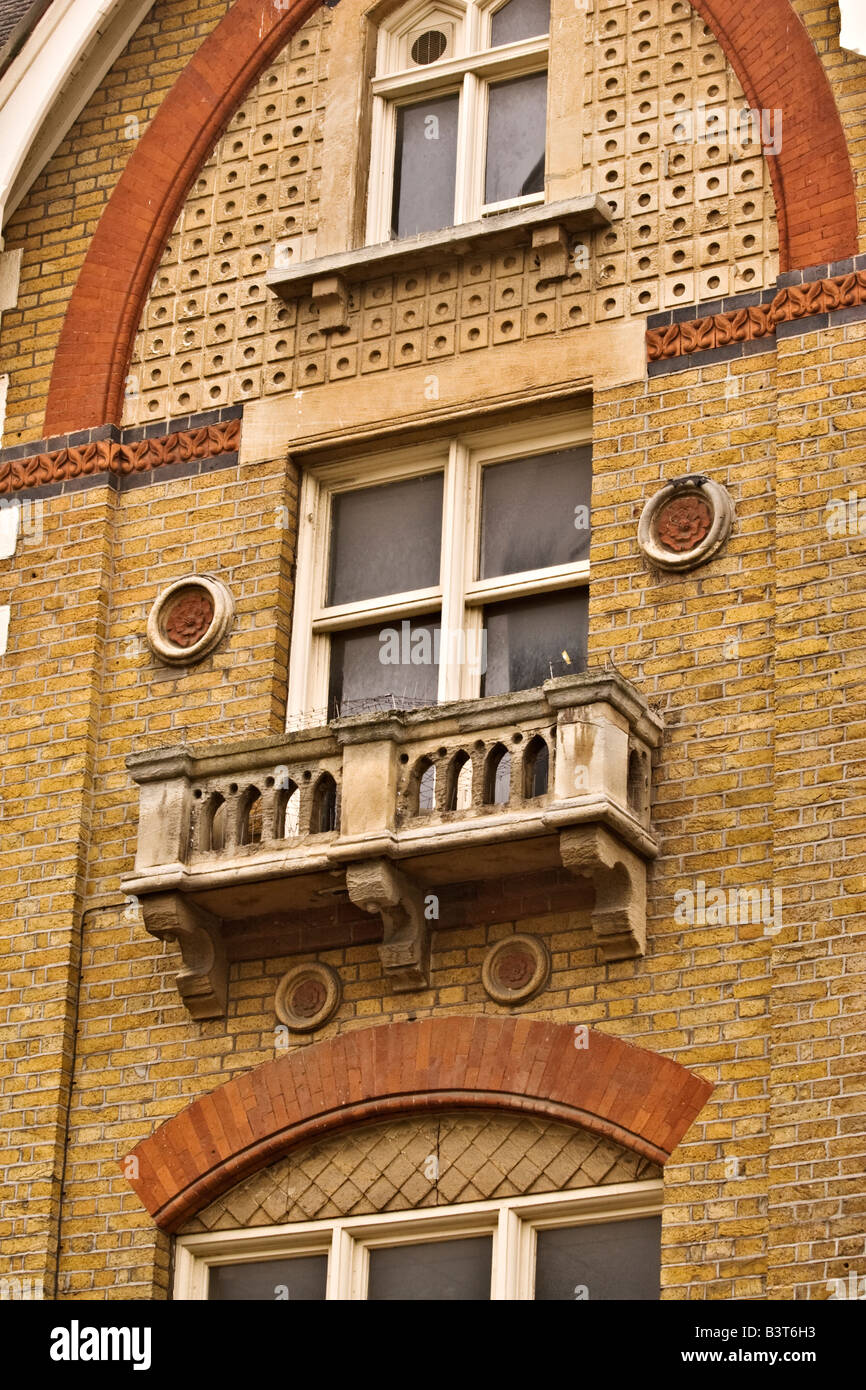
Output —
<point x="639" y="1099"/>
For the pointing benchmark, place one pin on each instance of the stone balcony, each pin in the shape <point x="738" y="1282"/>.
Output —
<point x="385" y="811"/>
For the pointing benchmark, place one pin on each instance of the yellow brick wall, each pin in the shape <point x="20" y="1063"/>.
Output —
<point x="50" y="717"/>
<point x="79" y="599"/>
<point x="761" y="771"/>
<point x="700" y="994"/>
<point x="818" y="1076"/>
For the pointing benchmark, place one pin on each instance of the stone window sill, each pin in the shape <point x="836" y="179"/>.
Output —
<point x="550" y="229"/>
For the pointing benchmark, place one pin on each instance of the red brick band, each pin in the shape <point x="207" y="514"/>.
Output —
<point x="644" y="1101"/>
<point x="766" y="43"/>
<point x="758" y="321"/>
<point x="110" y="456"/>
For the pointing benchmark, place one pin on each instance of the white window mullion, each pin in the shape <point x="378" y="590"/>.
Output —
<point x="482" y="104"/>
<point x="308" y="579"/>
<point x="453" y="575"/>
<point x="503" y="1255"/>
<point x="466" y="205"/>
<point x="383" y="137"/>
<point x="340" y="1264"/>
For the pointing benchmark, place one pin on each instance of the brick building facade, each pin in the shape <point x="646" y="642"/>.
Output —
<point x="555" y="916"/>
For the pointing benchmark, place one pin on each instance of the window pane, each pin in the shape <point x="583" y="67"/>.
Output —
<point x="519" y="19"/>
<point x="526" y="639"/>
<point x="535" y="512"/>
<point x="614" y="1260"/>
<point x="438" y="1269"/>
<point x="301" y="1280"/>
<point x="516" y="138"/>
<point x="385" y="540"/>
<point x="425" y="164"/>
<point x="394" y="665"/>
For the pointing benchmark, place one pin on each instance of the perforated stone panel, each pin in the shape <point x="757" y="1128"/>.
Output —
<point x="388" y="1167"/>
<point x="211" y="333"/>
<point x="692" y="221"/>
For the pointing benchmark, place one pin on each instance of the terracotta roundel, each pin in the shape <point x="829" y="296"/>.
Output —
<point x="515" y="969"/>
<point x="685" y="523"/>
<point x="189" y="619"/>
<point x="307" y="997"/>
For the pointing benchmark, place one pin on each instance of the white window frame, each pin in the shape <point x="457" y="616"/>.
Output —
<point x="468" y="74"/>
<point x="513" y="1223"/>
<point x="459" y="597"/>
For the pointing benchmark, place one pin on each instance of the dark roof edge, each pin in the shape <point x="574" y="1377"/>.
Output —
<point x="21" y="32"/>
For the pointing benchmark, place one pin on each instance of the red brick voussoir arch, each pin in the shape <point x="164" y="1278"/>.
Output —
<point x="644" y="1101"/>
<point x="764" y="41"/>
<point x="771" y="52"/>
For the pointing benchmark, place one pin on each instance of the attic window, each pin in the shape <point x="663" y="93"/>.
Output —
<point x="459" y="115"/>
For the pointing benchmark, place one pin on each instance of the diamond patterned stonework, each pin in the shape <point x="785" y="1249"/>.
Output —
<point x="384" y="1167"/>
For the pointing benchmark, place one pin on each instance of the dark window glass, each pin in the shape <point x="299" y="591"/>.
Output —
<point x="519" y="19"/>
<point x="394" y="665"/>
<point x="425" y="165"/>
<point x="385" y="540"/>
<point x="526" y="639"/>
<point x="614" y="1260"/>
<point x="535" y="512"/>
<point x="301" y="1280"/>
<point x="437" y="1269"/>
<point x="516" y="138"/>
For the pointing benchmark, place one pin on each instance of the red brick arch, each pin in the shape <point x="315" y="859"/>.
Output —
<point x="644" y="1101"/>
<point x="764" y="41"/>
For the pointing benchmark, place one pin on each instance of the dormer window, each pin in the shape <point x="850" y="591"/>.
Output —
<point x="459" y="115"/>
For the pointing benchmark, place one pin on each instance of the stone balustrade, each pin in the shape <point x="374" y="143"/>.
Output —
<point x="385" y="807"/>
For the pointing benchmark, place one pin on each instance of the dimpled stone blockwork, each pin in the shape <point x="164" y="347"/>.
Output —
<point x="212" y="333"/>
<point x="386" y="1167"/>
<point x="692" y="220"/>
<point x="55" y="221"/>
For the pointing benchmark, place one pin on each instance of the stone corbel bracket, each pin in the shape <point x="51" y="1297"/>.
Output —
<point x="376" y="886"/>
<point x="551" y="251"/>
<point x="203" y="982"/>
<point x="330" y="296"/>
<point x="618" y="875"/>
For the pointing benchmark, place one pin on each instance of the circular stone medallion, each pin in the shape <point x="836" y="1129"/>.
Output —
<point x="189" y="619"/>
<point x="685" y="523"/>
<point x="515" y="969"/>
<point x="307" y="997"/>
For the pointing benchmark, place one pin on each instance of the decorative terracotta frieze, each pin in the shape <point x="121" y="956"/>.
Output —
<point x="748" y="324"/>
<point x="118" y="457"/>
